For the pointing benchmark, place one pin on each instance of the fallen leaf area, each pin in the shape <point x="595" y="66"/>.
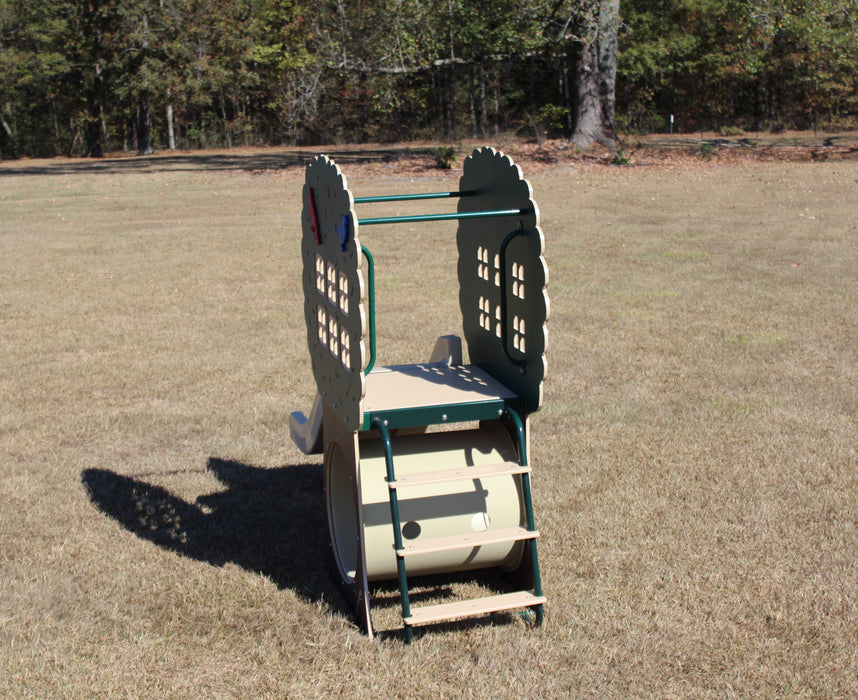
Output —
<point x="416" y="159"/>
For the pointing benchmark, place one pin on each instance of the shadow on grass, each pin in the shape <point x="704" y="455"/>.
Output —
<point x="270" y="161"/>
<point x="268" y="521"/>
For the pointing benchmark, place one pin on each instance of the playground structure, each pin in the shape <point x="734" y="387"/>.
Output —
<point x="403" y="498"/>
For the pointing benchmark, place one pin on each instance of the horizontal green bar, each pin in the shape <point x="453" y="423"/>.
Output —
<point x="443" y="217"/>
<point x="436" y="415"/>
<point x="407" y="197"/>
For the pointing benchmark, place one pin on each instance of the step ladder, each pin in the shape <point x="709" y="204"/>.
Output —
<point x="432" y="614"/>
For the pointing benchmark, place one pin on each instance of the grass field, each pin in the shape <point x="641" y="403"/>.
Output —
<point x="695" y="464"/>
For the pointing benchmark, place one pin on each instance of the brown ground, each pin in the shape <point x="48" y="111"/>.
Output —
<point x="416" y="158"/>
<point x="695" y="463"/>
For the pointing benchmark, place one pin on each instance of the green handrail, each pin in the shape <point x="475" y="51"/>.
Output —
<point x="370" y="263"/>
<point x="408" y="197"/>
<point x="504" y="304"/>
<point x="444" y="217"/>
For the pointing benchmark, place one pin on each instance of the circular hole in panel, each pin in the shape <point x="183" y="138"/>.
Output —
<point x="411" y="530"/>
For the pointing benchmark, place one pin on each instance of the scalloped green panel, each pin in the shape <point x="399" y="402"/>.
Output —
<point x="334" y="291"/>
<point x="498" y="185"/>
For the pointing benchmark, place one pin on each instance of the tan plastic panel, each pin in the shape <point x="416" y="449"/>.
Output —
<point x="334" y="292"/>
<point x="437" y="384"/>
<point x="429" y="511"/>
<point x="306" y="432"/>
<point x="499" y="185"/>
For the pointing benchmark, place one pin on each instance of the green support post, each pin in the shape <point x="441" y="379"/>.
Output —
<point x="528" y="507"/>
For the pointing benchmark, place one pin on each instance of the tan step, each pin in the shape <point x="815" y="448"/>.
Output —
<point x="472" y="539"/>
<point x="481" y="472"/>
<point x="468" y="608"/>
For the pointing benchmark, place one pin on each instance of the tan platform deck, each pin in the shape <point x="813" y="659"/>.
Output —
<point x="425" y="385"/>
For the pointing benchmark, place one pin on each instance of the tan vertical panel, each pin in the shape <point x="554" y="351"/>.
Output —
<point x="334" y="291"/>
<point x="498" y="185"/>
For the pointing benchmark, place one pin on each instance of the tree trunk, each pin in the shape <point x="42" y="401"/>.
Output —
<point x="104" y="130"/>
<point x="760" y="101"/>
<point x="8" y="131"/>
<point x="225" y="118"/>
<point x="92" y="135"/>
<point x="171" y="131"/>
<point x="609" y="24"/>
<point x="589" y="126"/>
<point x="92" y="127"/>
<point x="144" y="130"/>
<point x="567" y="96"/>
<point x="595" y="78"/>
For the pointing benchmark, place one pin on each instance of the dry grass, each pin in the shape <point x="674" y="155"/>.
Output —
<point x="696" y="474"/>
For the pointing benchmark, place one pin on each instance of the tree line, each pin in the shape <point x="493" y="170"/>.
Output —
<point x="89" y="76"/>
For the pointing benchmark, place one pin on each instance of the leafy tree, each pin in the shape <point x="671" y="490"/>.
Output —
<point x="76" y="77"/>
<point x="36" y="69"/>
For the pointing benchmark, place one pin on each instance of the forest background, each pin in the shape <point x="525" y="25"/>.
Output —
<point x="91" y="76"/>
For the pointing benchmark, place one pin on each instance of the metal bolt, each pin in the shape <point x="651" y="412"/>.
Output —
<point x="444" y="417"/>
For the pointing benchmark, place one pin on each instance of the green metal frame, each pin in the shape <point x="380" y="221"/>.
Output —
<point x="371" y="294"/>
<point x="492" y="409"/>
<point x="397" y="525"/>
<point x="444" y="217"/>
<point x="411" y="197"/>
<point x="503" y="299"/>
<point x="436" y="415"/>
<point x="528" y="508"/>
<point x="382" y="424"/>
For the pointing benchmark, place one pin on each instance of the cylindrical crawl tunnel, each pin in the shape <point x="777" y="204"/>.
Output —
<point x="427" y="511"/>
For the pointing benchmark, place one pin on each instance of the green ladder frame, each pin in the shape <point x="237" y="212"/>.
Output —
<point x="525" y="599"/>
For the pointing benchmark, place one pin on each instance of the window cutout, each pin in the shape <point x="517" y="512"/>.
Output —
<point x="518" y="327"/>
<point x="485" y="309"/>
<point x="345" y="355"/>
<point x="320" y="274"/>
<point x="332" y="284"/>
<point x="518" y="280"/>
<point x="333" y="337"/>
<point x="482" y="266"/>
<point x="322" y="323"/>
<point x="344" y="293"/>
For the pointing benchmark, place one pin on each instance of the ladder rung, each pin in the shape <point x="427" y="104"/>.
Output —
<point x="480" y="472"/>
<point x="477" y="606"/>
<point x="472" y="539"/>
